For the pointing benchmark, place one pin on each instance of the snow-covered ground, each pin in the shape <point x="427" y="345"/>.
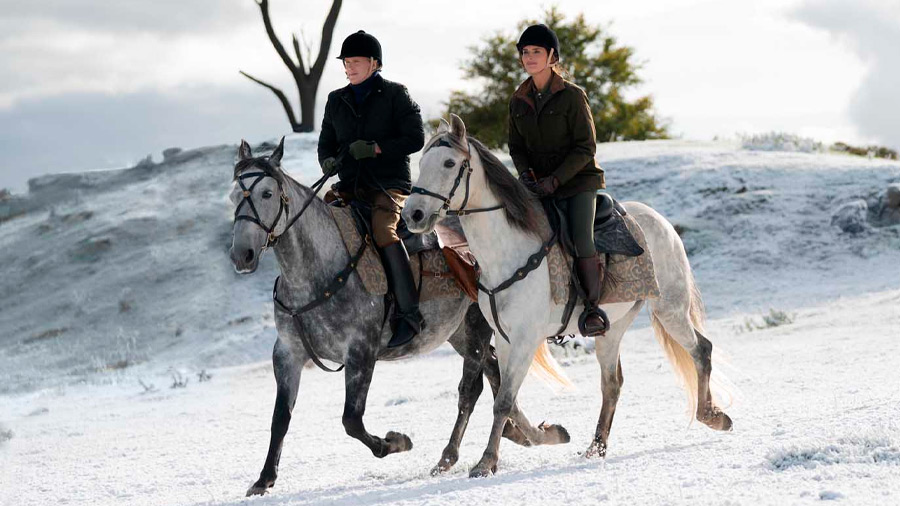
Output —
<point x="120" y="277"/>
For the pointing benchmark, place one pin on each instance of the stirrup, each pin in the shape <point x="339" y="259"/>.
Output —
<point x="593" y="311"/>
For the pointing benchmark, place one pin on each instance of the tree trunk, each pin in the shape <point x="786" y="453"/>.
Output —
<point x="307" y="81"/>
<point x="307" y="107"/>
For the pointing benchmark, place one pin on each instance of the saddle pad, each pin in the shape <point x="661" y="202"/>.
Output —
<point x="635" y="278"/>
<point x="371" y="271"/>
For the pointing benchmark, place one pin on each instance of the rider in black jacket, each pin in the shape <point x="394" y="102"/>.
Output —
<point x="375" y="125"/>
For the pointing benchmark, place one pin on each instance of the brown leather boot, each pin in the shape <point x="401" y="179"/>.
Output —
<point x="593" y="321"/>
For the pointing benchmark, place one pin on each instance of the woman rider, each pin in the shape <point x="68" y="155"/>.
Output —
<point x="552" y="142"/>
<point x="375" y="125"/>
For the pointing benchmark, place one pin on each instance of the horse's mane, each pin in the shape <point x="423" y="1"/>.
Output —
<point x="520" y="205"/>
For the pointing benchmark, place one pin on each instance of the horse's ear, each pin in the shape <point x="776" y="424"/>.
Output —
<point x="244" y="151"/>
<point x="443" y="127"/>
<point x="275" y="157"/>
<point x="457" y="127"/>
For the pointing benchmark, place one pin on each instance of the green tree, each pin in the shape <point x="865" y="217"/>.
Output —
<point x="593" y="59"/>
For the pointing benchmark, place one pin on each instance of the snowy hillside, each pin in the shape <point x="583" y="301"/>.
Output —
<point x="118" y="276"/>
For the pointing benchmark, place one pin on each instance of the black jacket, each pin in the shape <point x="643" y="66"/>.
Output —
<point x="387" y="116"/>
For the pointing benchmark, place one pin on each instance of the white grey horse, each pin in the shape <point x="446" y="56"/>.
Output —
<point x="347" y="325"/>
<point x="456" y="170"/>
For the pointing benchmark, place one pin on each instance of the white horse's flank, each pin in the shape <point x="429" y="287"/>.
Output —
<point x="526" y="310"/>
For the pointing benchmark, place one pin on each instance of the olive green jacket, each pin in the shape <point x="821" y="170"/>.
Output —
<point x="555" y="136"/>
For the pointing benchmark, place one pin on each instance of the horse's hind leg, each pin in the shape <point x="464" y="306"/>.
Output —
<point x="677" y="326"/>
<point x="611" y="379"/>
<point x="287" y="367"/>
<point x="358" y="369"/>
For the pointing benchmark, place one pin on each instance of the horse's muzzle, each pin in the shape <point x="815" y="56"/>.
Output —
<point x="244" y="260"/>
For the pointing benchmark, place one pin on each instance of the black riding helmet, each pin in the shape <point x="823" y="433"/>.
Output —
<point x="539" y="35"/>
<point x="361" y="44"/>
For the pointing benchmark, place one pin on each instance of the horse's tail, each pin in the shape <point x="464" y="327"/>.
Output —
<point x="681" y="360"/>
<point x="545" y="367"/>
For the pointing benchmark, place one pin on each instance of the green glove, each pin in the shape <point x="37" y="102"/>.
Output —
<point x="328" y="165"/>
<point x="362" y="149"/>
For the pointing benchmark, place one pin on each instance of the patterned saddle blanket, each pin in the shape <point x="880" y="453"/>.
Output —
<point x="630" y="275"/>
<point x="434" y="277"/>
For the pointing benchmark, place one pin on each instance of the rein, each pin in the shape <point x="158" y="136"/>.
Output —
<point x="533" y="262"/>
<point x="465" y="168"/>
<point x="336" y="283"/>
<point x="283" y="206"/>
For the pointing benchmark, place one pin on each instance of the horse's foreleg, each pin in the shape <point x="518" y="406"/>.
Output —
<point x="611" y="379"/>
<point x="470" y="387"/>
<point x="359" y="366"/>
<point x="287" y="368"/>
<point x="515" y="361"/>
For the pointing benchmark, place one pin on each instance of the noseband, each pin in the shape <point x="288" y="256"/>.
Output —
<point x="255" y="218"/>
<point x="283" y="209"/>
<point x="465" y="168"/>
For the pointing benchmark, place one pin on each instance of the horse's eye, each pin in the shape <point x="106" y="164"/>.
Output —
<point x="267" y="194"/>
<point x="449" y="163"/>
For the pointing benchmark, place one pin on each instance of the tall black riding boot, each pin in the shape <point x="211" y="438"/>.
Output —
<point x="593" y="321"/>
<point x="409" y="320"/>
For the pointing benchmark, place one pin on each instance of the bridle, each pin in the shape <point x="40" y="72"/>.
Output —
<point x="465" y="169"/>
<point x="283" y="202"/>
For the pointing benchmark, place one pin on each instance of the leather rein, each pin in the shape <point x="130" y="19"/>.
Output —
<point x="336" y="283"/>
<point x="465" y="169"/>
<point x="533" y="262"/>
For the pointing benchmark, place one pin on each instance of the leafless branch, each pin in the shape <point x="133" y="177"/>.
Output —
<point x="327" y="35"/>
<point x="278" y="93"/>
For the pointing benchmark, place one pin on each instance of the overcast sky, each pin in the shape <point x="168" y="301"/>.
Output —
<point x="90" y="84"/>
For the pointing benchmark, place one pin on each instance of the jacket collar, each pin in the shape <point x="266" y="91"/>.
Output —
<point x="523" y="92"/>
<point x="377" y="86"/>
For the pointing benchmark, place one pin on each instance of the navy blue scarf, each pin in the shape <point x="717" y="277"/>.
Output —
<point x="362" y="90"/>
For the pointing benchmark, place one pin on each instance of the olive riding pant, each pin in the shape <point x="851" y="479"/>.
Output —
<point x="581" y="210"/>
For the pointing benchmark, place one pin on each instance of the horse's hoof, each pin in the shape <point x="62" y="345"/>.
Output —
<point x="444" y="465"/>
<point x="595" y="450"/>
<point x="555" y="434"/>
<point x="257" y="490"/>
<point x="261" y="487"/>
<point x="717" y="420"/>
<point x="398" y="442"/>
<point x="482" y="472"/>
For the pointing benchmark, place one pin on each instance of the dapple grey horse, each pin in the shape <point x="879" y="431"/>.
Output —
<point x="347" y="327"/>
<point x="457" y="171"/>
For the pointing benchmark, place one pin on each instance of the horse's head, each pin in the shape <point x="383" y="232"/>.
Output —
<point x="443" y="179"/>
<point x="260" y="204"/>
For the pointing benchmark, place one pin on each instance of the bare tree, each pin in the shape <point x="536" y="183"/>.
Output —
<point x="307" y="77"/>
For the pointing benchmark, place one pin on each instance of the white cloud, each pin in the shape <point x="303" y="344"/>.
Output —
<point x="872" y="29"/>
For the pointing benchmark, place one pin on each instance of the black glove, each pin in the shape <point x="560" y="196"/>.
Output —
<point x="527" y="180"/>
<point x="544" y="187"/>
<point x="328" y="165"/>
<point x="362" y="149"/>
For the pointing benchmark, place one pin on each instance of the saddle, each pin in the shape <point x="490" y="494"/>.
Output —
<point x="440" y="260"/>
<point x="617" y="236"/>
